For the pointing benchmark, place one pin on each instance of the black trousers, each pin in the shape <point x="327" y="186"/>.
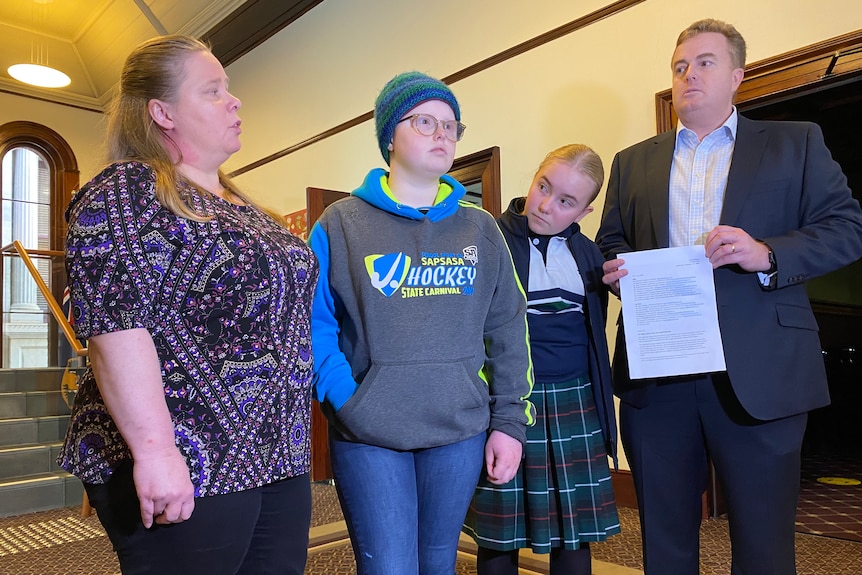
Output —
<point x="258" y="531"/>
<point x="668" y="442"/>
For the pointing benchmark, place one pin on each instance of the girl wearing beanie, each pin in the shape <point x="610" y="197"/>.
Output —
<point x="419" y="334"/>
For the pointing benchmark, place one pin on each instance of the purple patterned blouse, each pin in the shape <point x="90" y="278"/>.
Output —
<point x="228" y="304"/>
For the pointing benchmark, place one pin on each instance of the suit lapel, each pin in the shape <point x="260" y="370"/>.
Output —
<point x="658" y="164"/>
<point x="751" y="141"/>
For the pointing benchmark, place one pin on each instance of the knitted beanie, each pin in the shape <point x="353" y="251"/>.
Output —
<point x="400" y="95"/>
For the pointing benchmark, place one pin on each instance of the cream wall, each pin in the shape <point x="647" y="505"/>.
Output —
<point x="82" y="130"/>
<point x="595" y="86"/>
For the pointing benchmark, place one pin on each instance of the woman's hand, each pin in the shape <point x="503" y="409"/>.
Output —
<point x="165" y="490"/>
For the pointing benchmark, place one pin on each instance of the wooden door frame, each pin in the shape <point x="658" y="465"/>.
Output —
<point x="316" y="200"/>
<point x="482" y="167"/>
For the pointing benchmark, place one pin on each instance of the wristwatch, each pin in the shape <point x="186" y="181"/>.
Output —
<point x="773" y="265"/>
<point x="771" y="275"/>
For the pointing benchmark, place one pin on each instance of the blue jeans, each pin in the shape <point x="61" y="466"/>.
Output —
<point x="404" y="509"/>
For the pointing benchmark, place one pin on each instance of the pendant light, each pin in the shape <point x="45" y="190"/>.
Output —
<point x="36" y="72"/>
<point x="38" y="75"/>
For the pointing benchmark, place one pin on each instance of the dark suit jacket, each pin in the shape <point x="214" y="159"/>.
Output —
<point x="783" y="188"/>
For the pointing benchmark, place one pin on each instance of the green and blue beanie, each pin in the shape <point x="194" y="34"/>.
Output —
<point x="400" y="95"/>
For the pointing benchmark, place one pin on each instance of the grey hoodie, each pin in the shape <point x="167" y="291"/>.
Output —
<point x="418" y="327"/>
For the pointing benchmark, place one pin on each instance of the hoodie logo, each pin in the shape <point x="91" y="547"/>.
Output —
<point x="471" y="254"/>
<point x="387" y="272"/>
<point x="435" y="273"/>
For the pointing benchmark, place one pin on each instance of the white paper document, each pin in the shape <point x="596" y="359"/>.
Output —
<point x="669" y="313"/>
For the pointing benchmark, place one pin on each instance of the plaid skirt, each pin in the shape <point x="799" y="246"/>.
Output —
<point x="562" y="494"/>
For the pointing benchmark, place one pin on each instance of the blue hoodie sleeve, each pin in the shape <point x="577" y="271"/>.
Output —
<point x="333" y="378"/>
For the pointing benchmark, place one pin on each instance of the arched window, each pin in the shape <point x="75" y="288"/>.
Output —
<point x="38" y="177"/>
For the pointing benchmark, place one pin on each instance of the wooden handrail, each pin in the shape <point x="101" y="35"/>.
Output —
<point x="9" y="248"/>
<point x="56" y="310"/>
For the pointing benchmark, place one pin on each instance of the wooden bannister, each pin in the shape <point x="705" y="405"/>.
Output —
<point x="56" y="309"/>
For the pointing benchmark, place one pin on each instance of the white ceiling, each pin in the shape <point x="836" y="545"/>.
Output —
<point x="90" y="39"/>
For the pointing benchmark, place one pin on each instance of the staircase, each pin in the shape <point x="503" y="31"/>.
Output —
<point x="33" y="422"/>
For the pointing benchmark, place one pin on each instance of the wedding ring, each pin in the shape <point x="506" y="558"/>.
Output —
<point x="732" y="248"/>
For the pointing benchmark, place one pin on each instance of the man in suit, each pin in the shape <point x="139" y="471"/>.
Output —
<point x="772" y="209"/>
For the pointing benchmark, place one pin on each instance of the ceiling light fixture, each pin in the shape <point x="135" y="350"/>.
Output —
<point x="38" y="75"/>
<point x="37" y="72"/>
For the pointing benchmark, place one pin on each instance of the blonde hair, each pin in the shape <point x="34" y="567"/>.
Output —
<point x="581" y="158"/>
<point x="155" y="70"/>
<point x="735" y="41"/>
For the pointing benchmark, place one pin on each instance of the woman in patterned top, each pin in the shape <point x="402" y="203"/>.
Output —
<point x="191" y="429"/>
<point x="562" y="498"/>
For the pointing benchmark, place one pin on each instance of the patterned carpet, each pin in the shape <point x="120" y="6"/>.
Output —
<point x="60" y="542"/>
<point x="830" y="497"/>
<point x="339" y="561"/>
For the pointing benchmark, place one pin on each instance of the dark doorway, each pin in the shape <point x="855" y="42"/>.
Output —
<point x="838" y="112"/>
<point x="832" y="451"/>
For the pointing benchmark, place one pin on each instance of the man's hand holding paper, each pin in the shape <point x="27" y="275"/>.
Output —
<point x="669" y="312"/>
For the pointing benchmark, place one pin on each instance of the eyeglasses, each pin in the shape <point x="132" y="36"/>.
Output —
<point x="426" y="125"/>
